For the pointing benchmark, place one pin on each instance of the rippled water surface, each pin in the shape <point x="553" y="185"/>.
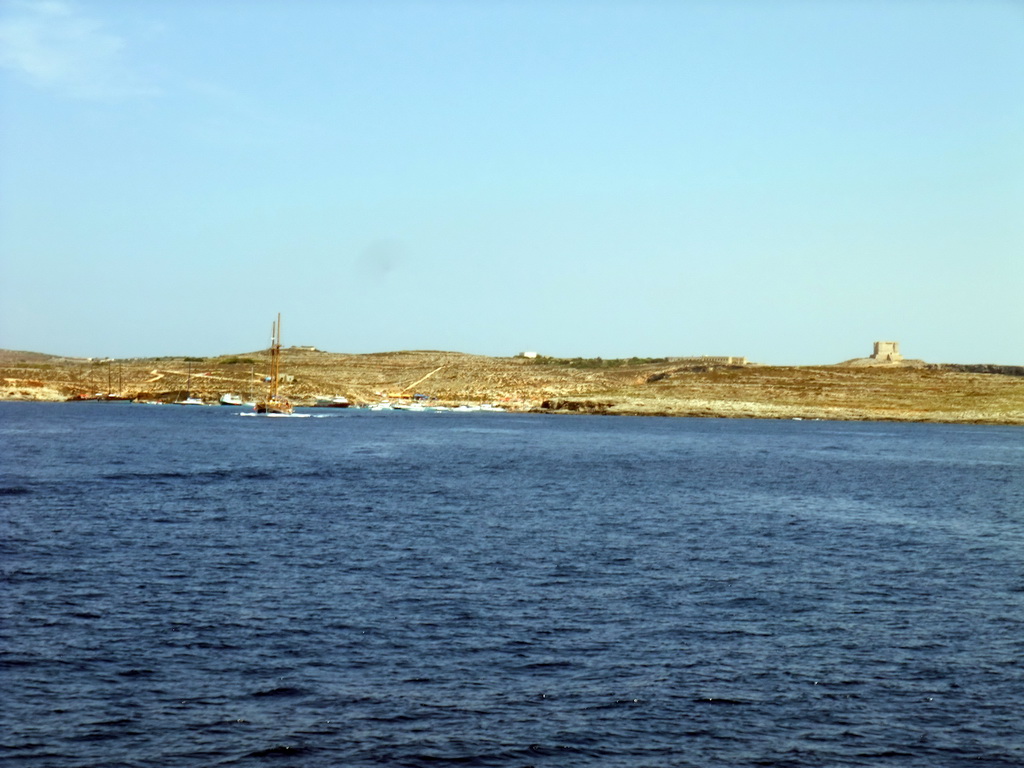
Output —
<point x="186" y="587"/>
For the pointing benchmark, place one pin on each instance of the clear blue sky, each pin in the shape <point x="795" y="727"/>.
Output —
<point x="789" y="181"/>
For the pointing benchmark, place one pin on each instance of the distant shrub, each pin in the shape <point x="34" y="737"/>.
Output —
<point x="238" y="361"/>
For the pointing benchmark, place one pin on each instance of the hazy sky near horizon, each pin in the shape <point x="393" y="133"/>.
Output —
<point x="789" y="181"/>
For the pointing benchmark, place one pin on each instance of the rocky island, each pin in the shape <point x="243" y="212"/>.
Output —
<point x="864" y="389"/>
<point x="859" y="389"/>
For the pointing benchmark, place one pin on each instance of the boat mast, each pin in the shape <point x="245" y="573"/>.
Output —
<point x="274" y="404"/>
<point x="275" y="355"/>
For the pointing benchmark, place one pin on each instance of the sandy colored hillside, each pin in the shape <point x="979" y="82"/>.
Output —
<point x="849" y="391"/>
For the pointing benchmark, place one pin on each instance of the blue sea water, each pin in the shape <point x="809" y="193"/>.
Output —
<point x="187" y="587"/>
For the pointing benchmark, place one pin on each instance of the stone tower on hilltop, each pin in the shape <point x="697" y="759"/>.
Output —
<point x="887" y="351"/>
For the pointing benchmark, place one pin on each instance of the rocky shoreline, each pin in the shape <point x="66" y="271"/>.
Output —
<point x="912" y="391"/>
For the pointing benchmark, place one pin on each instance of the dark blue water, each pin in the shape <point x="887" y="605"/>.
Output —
<point x="187" y="587"/>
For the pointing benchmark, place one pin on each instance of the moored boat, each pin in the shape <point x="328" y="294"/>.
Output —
<point x="189" y="400"/>
<point x="413" y="406"/>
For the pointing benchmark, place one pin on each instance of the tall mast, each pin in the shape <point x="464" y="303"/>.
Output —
<point x="274" y="404"/>
<point x="275" y="354"/>
<point x="270" y="374"/>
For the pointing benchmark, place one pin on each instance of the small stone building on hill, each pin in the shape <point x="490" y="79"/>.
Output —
<point x="887" y="351"/>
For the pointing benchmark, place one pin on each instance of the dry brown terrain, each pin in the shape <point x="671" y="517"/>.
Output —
<point x="848" y="391"/>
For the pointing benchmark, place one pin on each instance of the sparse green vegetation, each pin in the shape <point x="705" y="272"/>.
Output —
<point x="595" y="362"/>
<point x="237" y="361"/>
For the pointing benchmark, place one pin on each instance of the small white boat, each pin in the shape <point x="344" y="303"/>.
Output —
<point x="189" y="400"/>
<point x="409" y="407"/>
<point x="229" y="399"/>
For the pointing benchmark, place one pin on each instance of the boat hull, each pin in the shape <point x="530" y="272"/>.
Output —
<point x="334" y="402"/>
<point x="279" y="406"/>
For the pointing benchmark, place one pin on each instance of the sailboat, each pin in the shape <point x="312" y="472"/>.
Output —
<point x="189" y="400"/>
<point x="274" y="403"/>
<point x="109" y="394"/>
